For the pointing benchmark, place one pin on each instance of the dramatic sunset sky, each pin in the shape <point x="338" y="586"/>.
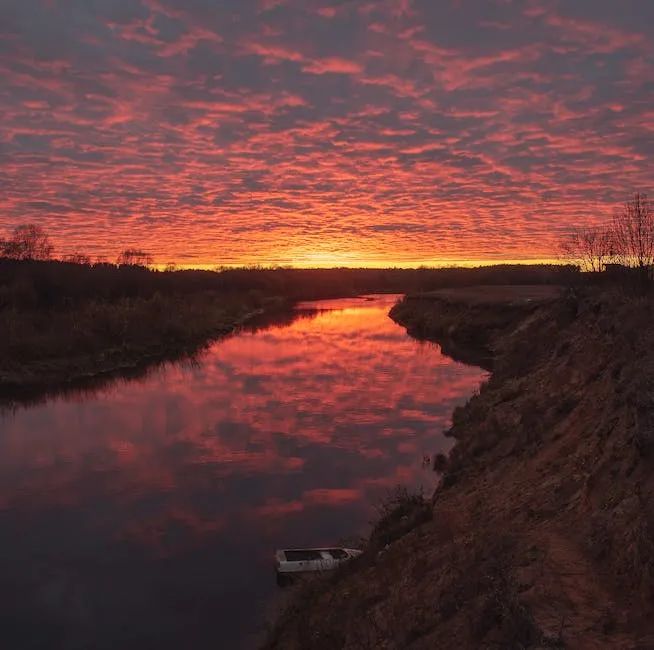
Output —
<point x="322" y="132"/>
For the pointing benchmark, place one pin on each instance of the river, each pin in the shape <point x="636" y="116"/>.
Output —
<point x="145" y="514"/>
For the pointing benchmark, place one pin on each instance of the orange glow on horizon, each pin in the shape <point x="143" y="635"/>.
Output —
<point x="328" y="262"/>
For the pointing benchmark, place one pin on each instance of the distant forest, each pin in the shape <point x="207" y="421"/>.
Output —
<point x="28" y="284"/>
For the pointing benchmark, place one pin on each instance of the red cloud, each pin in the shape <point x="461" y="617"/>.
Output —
<point x="333" y="65"/>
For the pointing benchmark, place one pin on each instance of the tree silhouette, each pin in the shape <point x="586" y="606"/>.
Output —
<point x="28" y="242"/>
<point x="77" y="258"/>
<point x="633" y="230"/>
<point x="134" y="257"/>
<point x="589" y="248"/>
<point x="627" y="243"/>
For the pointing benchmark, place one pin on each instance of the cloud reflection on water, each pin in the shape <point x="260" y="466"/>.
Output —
<point x="284" y="436"/>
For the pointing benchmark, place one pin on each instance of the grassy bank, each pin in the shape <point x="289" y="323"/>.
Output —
<point x="42" y="349"/>
<point x="541" y="532"/>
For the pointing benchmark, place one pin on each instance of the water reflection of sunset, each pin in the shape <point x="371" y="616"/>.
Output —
<point x="284" y="436"/>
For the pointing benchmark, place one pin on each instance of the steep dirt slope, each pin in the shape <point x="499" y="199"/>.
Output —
<point x="541" y="534"/>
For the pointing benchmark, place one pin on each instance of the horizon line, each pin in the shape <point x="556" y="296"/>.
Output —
<point x="444" y="263"/>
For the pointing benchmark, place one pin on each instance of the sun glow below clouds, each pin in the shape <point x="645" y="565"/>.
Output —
<point x="327" y="259"/>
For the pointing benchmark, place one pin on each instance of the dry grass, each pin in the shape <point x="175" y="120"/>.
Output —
<point x="497" y="295"/>
<point x="42" y="347"/>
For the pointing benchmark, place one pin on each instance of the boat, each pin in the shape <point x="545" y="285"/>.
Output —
<point x="293" y="562"/>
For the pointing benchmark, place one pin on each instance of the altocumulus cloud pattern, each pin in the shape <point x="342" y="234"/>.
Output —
<point x="318" y="131"/>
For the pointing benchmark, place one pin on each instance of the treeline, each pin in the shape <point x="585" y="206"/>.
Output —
<point x="35" y="284"/>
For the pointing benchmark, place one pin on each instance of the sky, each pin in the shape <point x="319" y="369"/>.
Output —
<point x="322" y="132"/>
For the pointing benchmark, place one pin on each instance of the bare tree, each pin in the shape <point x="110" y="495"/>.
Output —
<point x="28" y="242"/>
<point x="633" y="230"/>
<point x="627" y="242"/>
<point x="77" y="258"/>
<point x="589" y="248"/>
<point x="134" y="257"/>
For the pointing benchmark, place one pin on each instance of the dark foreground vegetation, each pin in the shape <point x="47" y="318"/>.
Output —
<point x="66" y="321"/>
<point x="541" y="533"/>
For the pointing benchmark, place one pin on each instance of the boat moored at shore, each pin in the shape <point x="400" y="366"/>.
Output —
<point x="290" y="563"/>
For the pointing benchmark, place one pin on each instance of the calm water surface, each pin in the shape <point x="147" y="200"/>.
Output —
<point x="145" y="516"/>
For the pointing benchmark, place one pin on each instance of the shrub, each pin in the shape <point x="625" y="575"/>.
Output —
<point x="398" y="514"/>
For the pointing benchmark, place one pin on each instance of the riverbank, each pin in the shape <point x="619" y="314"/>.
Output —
<point x="541" y="532"/>
<point x="470" y="323"/>
<point x="56" y="349"/>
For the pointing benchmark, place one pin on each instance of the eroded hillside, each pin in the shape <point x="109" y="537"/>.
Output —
<point x="541" y="534"/>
